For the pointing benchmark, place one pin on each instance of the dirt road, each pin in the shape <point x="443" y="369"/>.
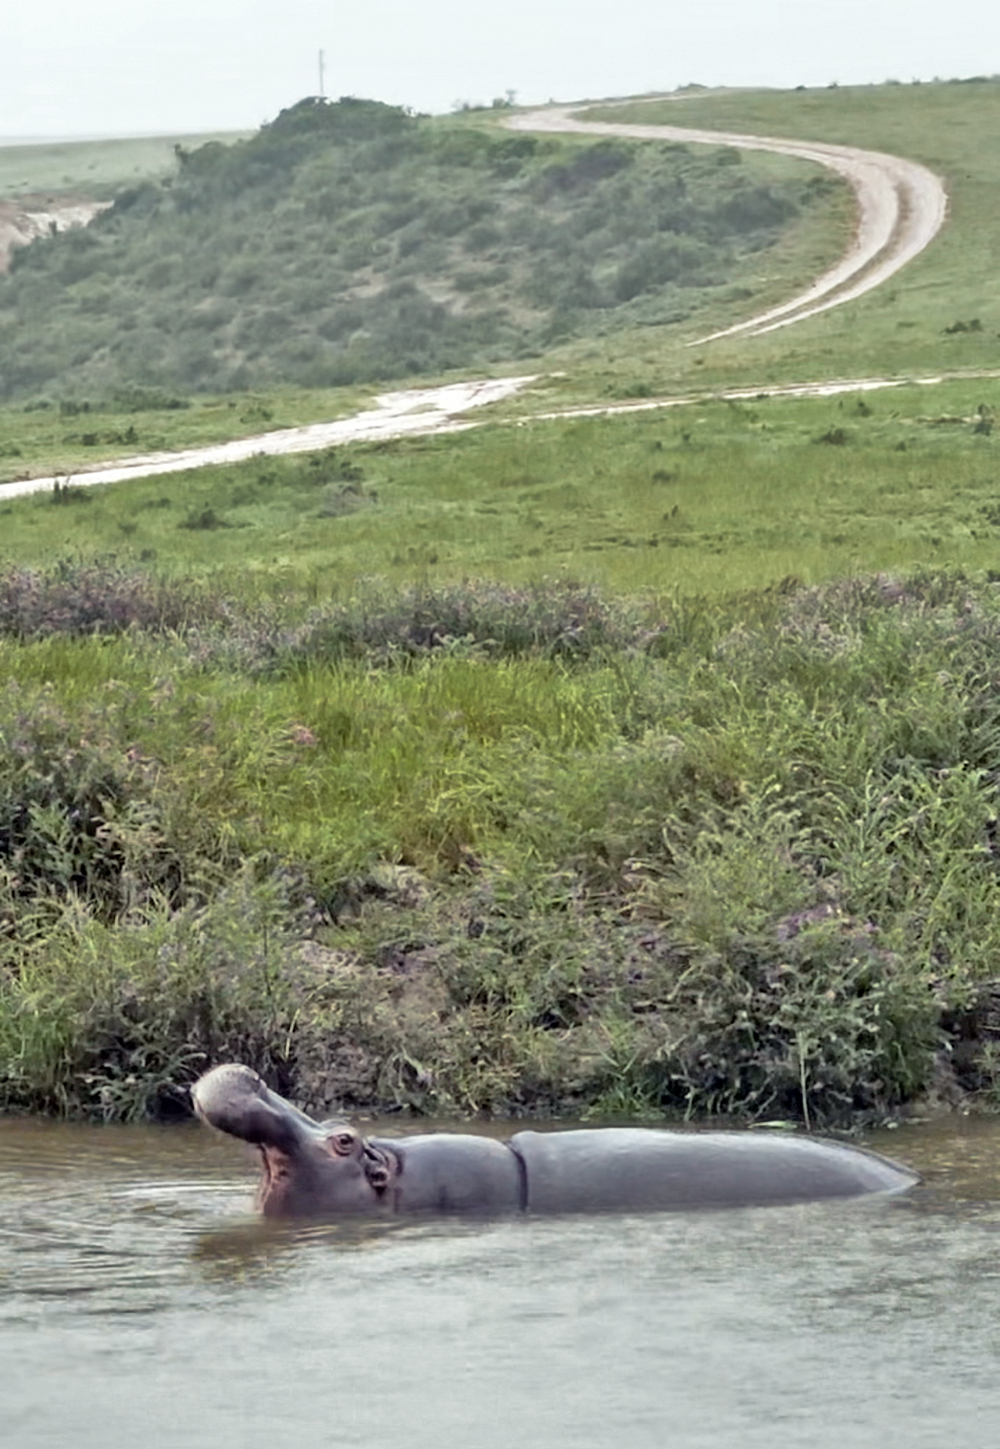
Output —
<point x="415" y="412"/>
<point x="901" y="207"/>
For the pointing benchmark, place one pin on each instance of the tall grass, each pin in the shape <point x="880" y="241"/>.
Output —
<point x="737" y="857"/>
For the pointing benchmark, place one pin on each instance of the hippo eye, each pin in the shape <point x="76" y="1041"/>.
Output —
<point x="343" y="1143"/>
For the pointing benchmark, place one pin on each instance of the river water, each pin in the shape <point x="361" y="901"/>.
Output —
<point x="142" y="1305"/>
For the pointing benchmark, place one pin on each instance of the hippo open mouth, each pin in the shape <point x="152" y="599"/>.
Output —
<point x="303" y="1162"/>
<point x="279" y="1166"/>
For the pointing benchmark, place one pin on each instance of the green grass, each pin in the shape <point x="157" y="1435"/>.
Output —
<point x="45" y="437"/>
<point x="709" y="498"/>
<point x="737" y="857"/>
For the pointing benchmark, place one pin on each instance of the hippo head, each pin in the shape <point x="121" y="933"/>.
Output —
<point x="310" y="1169"/>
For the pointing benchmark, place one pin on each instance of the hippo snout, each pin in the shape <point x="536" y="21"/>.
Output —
<point x="226" y="1090"/>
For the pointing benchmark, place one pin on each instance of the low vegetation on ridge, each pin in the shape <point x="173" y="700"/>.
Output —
<point x="353" y="241"/>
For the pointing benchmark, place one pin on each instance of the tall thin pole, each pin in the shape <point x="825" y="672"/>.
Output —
<point x="322" y="87"/>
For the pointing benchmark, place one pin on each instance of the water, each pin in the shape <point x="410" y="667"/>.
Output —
<point x="142" y="1304"/>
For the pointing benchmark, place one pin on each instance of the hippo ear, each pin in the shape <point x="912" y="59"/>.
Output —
<point x="377" y="1171"/>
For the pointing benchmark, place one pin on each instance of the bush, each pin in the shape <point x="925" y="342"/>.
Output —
<point x="114" y="1022"/>
<point x="566" y="621"/>
<point x="93" y="598"/>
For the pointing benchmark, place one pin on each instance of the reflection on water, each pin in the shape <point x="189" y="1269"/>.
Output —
<point x="139" y="1298"/>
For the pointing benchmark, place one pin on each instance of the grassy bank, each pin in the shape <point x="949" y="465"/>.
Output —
<point x="498" y="850"/>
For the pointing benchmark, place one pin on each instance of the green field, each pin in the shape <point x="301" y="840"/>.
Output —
<point x="94" y="168"/>
<point x="619" y="765"/>
<point x="884" y="481"/>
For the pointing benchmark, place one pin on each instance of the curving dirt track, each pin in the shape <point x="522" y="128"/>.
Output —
<point x="901" y="207"/>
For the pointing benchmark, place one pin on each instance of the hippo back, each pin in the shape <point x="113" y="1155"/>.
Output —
<point x="623" y="1169"/>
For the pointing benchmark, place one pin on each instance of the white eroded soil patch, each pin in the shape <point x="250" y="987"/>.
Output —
<point x="30" y="217"/>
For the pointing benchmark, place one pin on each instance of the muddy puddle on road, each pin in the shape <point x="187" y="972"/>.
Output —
<point x="141" y="1303"/>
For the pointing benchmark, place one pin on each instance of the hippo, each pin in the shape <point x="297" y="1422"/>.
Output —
<point x="327" y="1170"/>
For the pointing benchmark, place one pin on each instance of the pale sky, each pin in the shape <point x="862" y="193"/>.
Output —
<point x="139" y="67"/>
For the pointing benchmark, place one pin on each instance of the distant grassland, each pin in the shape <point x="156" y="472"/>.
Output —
<point x="940" y="314"/>
<point x="94" y="168"/>
<point x="45" y="438"/>
<point x="710" y="497"/>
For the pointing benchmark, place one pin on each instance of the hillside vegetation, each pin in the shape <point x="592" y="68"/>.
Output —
<point x="352" y="241"/>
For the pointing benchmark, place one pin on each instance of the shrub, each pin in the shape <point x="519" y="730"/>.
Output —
<point x="114" y="1022"/>
<point x="95" y="598"/>
<point x="568" y="621"/>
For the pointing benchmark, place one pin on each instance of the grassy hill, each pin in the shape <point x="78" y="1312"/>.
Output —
<point x="352" y="241"/>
